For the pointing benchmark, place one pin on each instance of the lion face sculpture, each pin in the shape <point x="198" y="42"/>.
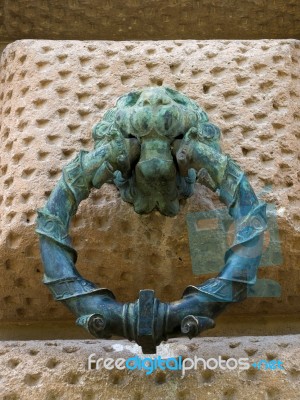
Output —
<point x="159" y="119"/>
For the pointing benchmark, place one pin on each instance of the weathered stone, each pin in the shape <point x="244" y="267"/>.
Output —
<point x="52" y="93"/>
<point x="59" y="370"/>
<point x="140" y="20"/>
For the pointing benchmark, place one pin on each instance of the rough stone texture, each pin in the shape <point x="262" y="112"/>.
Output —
<point x="57" y="370"/>
<point x="151" y="19"/>
<point x="53" y="92"/>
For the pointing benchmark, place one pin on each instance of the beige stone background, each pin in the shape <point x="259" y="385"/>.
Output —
<point x="51" y="94"/>
<point x="57" y="370"/>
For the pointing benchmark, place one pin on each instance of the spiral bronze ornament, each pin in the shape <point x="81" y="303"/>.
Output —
<point x="153" y="145"/>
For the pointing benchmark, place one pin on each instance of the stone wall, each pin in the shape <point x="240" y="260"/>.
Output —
<point x="51" y="95"/>
<point x="53" y="92"/>
<point x="151" y="19"/>
<point x="58" y="370"/>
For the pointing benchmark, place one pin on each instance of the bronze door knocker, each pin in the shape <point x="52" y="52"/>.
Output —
<point x="153" y="145"/>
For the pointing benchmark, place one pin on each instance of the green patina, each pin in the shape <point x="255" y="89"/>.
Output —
<point x="153" y="145"/>
<point x="159" y="119"/>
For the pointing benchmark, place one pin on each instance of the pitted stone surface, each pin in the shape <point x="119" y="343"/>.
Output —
<point x="58" y="370"/>
<point x="53" y="92"/>
<point x="152" y="19"/>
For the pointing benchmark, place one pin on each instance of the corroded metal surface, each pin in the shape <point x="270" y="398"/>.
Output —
<point x="153" y="145"/>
